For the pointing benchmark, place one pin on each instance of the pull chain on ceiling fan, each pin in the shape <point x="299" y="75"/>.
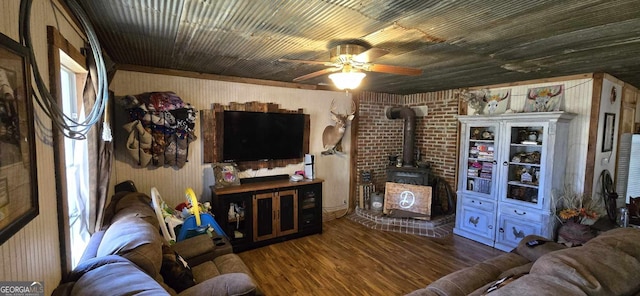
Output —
<point x="351" y="60"/>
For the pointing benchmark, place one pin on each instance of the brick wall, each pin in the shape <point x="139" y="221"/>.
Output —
<point x="379" y="137"/>
<point x="437" y="133"/>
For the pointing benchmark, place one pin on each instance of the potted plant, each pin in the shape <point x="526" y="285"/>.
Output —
<point x="576" y="213"/>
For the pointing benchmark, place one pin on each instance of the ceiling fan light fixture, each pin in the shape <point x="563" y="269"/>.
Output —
<point x="347" y="80"/>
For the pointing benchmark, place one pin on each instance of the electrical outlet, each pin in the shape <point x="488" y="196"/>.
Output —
<point x="344" y="201"/>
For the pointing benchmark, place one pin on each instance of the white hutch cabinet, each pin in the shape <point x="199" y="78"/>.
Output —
<point x="509" y="166"/>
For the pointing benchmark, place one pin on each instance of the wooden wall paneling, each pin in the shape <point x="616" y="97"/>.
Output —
<point x="207" y="76"/>
<point x="208" y="134"/>
<point x="219" y="134"/>
<point x="593" y="134"/>
<point x="462" y="110"/>
<point x="353" y="176"/>
<point x="307" y="133"/>
<point x="627" y="126"/>
<point x="539" y="81"/>
<point x="56" y="43"/>
<point x="628" y="109"/>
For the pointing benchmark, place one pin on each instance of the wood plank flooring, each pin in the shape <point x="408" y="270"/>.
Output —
<point x="350" y="259"/>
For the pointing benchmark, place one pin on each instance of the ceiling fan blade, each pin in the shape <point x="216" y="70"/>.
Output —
<point x="307" y="62"/>
<point x="316" y="74"/>
<point x="393" y="69"/>
<point x="370" y="55"/>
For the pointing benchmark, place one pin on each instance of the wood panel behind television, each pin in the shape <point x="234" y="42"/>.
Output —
<point x="212" y="122"/>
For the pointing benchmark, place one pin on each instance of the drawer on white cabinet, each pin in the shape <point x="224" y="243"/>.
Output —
<point x="521" y="213"/>
<point x="477" y="203"/>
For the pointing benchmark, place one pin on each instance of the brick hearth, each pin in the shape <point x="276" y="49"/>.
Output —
<point x="440" y="226"/>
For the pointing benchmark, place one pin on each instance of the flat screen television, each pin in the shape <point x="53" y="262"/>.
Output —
<point x="261" y="136"/>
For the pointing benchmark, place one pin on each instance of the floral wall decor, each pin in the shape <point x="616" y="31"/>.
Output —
<point x="545" y="99"/>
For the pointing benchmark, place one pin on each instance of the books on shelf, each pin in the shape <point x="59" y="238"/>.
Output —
<point x="480" y="185"/>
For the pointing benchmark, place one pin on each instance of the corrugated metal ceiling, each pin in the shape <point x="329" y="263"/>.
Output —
<point x="455" y="43"/>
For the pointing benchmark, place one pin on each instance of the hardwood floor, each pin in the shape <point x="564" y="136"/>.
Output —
<point x="350" y="259"/>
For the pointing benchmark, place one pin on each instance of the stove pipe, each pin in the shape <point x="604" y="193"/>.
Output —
<point x="409" y="131"/>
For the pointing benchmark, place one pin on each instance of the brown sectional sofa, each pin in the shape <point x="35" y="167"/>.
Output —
<point x="608" y="264"/>
<point x="130" y="257"/>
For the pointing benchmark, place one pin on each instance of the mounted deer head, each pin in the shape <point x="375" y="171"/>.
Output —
<point x="332" y="134"/>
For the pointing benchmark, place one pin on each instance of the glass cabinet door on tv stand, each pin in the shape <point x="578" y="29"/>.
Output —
<point x="310" y="208"/>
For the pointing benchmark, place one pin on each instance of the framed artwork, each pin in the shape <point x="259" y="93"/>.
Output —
<point x="18" y="183"/>
<point x="497" y="102"/>
<point x="545" y="99"/>
<point x="608" y="131"/>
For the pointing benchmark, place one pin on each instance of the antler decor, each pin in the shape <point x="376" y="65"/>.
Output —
<point x="493" y="100"/>
<point x="332" y="135"/>
<point x="544" y="99"/>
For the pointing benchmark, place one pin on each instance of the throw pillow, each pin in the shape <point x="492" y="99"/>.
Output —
<point x="175" y="271"/>
<point x="226" y="174"/>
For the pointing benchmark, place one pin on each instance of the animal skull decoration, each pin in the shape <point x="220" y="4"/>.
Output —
<point x="542" y="99"/>
<point x="474" y="99"/>
<point x="332" y="135"/>
<point x="493" y="100"/>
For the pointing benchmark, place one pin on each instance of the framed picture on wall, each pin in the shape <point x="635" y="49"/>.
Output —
<point x="608" y="131"/>
<point x="545" y="99"/>
<point x="18" y="183"/>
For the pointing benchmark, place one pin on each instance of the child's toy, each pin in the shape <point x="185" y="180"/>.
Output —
<point x="165" y="216"/>
<point x="198" y="223"/>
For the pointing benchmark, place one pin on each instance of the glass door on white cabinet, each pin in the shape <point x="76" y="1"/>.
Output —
<point x="525" y="171"/>
<point x="481" y="159"/>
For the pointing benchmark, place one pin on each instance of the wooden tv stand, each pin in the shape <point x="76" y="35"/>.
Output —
<point x="260" y="213"/>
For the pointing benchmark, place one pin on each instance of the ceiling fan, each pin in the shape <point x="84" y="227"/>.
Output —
<point x="350" y="60"/>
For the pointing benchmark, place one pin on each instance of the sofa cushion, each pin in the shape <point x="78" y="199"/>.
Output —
<point x="237" y="284"/>
<point x="135" y="204"/>
<point x="230" y="263"/>
<point x="136" y="240"/>
<point x="196" y="250"/>
<point x="117" y="278"/>
<point x="533" y="253"/>
<point x="465" y="281"/>
<point x="606" y="265"/>
<point x="205" y="271"/>
<point x="503" y="279"/>
<point x="127" y="204"/>
<point x="175" y="271"/>
<point x="140" y="211"/>
<point x="92" y="247"/>
<point x="516" y="271"/>
<point x="91" y="264"/>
